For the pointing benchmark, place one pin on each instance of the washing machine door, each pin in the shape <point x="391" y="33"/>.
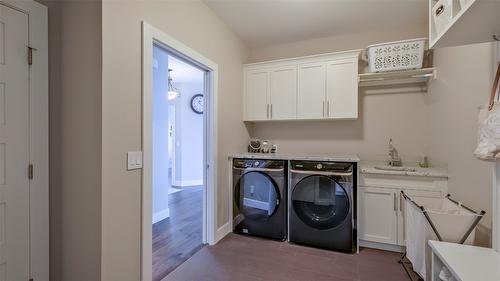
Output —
<point x="256" y="196"/>
<point x="320" y="202"/>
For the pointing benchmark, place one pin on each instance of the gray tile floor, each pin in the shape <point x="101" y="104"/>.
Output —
<point x="246" y="258"/>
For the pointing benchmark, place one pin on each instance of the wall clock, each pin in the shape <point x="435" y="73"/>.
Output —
<point x="197" y="103"/>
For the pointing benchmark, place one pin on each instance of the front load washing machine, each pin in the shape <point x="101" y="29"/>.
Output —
<point x="259" y="201"/>
<point x="322" y="205"/>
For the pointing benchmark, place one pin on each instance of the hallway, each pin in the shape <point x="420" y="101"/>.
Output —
<point x="178" y="237"/>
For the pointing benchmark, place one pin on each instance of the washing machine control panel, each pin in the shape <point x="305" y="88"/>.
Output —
<point x="322" y="166"/>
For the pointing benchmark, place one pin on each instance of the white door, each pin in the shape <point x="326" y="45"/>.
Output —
<point x="14" y="149"/>
<point x="342" y="89"/>
<point x="283" y="93"/>
<point x="312" y="91"/>
<point x="378" y="215"/>
<point x="257" y="95"/>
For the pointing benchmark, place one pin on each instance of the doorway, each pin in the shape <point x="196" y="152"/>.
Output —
<point x="181" y="113"/>
<point x="177" y="177"/>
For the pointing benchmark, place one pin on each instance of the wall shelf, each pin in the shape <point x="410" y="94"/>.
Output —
<point x="417" y="78"/>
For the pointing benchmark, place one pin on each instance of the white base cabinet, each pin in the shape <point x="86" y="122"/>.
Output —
<point x="322" y="87"/>
<point x="381" y="206"/>
<point x="378" y="216"/>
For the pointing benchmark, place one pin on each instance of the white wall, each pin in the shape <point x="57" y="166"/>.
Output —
<point x="465" y="75"/>
<point x="161" y="180"/>
<point x="189" y="135"/>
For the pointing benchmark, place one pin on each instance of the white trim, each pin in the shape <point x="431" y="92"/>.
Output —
<point x="183" y="183"/>
<point x="151" y="35"/>
<point x="496" y="183"/>
<point x="382" y="246"/>
<point x="39" y="136"/>
<point x="161" y="215"/>
<point x="223" y="231"/>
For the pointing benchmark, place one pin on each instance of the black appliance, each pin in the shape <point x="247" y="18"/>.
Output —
<point x="259" y="201"/>
<point x="322" y="200"/>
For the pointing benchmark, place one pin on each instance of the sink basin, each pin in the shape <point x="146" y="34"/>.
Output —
<point x="391" y="168"/>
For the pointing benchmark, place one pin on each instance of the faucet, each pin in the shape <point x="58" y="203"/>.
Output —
<point x="394" y="159"/>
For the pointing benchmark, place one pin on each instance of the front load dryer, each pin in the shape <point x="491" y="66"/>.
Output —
<point x="259" y="197"/>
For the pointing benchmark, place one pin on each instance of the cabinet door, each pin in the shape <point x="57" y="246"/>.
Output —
<point x="283" y="102"/>
<point x="342" y="89"/>
<point x="256" y="95"/>
<point x="312" y="91"/>
<point x="378" y="215"/>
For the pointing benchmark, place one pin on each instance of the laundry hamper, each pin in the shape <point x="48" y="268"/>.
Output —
<point x="442" y="219"/>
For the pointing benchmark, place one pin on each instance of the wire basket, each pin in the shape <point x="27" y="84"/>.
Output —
<point x="399" y="55"/>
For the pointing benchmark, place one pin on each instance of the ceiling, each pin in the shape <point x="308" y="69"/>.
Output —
<point x="269" y="22"/>
<point x="183" y="72"/>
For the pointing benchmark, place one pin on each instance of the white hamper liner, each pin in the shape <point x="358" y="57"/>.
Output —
<point x="447" y="221"/>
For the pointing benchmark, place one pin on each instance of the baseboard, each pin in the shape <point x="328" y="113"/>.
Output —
<point x="182" y="183"/>
<point x="381" y="246"/>
<point x="161" y="215"/>
<point x="222" y="232"/>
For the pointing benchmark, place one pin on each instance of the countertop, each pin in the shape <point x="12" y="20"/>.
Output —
<point x="366" y="167"/>
<point x="298" y="156"/>
<point x="369" y="168"/>
<point x="468" y="263"/>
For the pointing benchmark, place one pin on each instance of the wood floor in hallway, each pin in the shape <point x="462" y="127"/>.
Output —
<point x="177" y="238"/>
<point x="244" y="258"/>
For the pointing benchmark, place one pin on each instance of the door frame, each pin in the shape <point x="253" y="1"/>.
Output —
<point x="38" y="134"/>
<point x="152" y="35"/>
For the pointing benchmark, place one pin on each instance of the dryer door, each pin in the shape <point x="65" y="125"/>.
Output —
<point x="320" y="202"/>
<point x="256" y="196"/>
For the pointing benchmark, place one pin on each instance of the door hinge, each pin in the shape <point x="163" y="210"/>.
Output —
<point x="30" y="171"/>
<point x="30" y="55"/>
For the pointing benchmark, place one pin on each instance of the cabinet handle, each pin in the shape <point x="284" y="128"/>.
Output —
<point x="401" y="203"/>
<point x="328" y="108"/>
<point x="323" y="108"/>
<point x="271" y="111"/>
<point x="395" y="203"/>
<point x="267" y="111"/>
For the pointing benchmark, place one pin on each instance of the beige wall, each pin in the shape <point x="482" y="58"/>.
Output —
<point x="381" y="116"/>
<point x="441" y="123"/>
<point x="335" y="43"/>
<point x="464" y="77"/>
<point x="192" y="23"/>
<point x="75" y="138"/>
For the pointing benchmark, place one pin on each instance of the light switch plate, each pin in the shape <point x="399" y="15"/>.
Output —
<point x="134" y="160"/>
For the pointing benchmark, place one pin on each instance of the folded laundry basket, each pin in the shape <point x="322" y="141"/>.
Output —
<point x="442" y="219"/>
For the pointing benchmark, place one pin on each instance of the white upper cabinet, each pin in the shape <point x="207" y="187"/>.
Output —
<point x="342" y="89"/>
<point x="283" y="97"/>
<point x="463" y="22"/>
<point x="312" y="91"/>
<point x="257" y="94"/>
<point x="307" y="88"/>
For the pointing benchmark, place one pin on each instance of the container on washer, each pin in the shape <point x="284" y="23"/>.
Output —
<point x="398" y="55"/>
